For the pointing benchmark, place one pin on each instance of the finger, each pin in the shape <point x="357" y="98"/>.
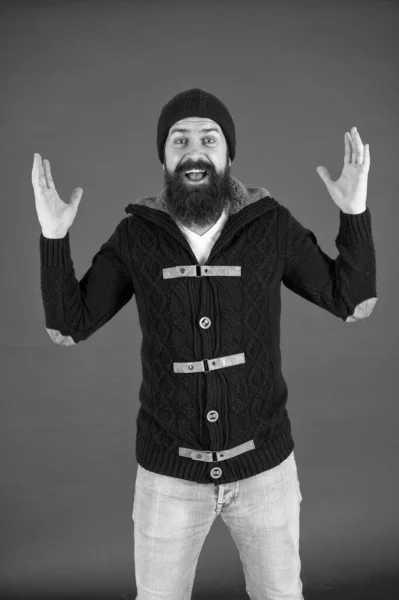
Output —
<point x="353" y="145"/>
<point x="47" y="172"/>
<point x="347" y="157"/>
<point x="36" y="158"/>
<point x="38" y="179"/>
<point x="34" y="169"/>
<point x="358" y="146"/>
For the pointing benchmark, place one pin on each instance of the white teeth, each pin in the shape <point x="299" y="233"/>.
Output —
<point x="195" y="171"/>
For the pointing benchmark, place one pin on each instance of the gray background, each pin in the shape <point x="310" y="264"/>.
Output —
<point x="83" y="84"/>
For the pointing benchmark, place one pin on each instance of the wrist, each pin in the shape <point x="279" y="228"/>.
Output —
<point x="354" y="211"/>
<point x="53" y="236"/>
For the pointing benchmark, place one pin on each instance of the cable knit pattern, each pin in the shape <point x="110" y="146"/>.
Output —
<point x="190" y="313"/>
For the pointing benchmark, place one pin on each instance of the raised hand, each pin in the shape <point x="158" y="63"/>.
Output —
<point x="349" y="192"/>
<point x="55" y="216"/>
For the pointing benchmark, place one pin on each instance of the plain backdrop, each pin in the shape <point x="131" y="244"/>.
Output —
<point x="83" y="83"/>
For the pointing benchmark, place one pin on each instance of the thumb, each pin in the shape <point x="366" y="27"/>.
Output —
<point x="324" y="174"/>
<point x="76" y="197"/>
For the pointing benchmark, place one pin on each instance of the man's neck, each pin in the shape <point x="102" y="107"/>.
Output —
<point x="200" y="230"/>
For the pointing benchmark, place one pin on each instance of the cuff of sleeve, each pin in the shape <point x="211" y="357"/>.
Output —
<point x="55" y="252"/>
<point x="354" y="228"/>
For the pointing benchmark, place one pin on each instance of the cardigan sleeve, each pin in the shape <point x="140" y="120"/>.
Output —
<point x="74" y="309"/>
<point x="346" y="286"/>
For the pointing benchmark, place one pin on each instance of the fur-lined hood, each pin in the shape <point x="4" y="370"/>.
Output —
<point x="242" y="197"/>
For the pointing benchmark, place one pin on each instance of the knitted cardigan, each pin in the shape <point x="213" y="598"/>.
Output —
<point x="193" y="401"/>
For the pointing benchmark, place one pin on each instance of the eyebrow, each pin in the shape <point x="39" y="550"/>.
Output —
<point x="175" y="130"/>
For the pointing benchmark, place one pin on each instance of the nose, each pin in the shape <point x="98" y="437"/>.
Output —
<point x="195" y="156"/>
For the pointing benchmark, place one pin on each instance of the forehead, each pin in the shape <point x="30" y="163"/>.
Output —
<point x="194" y="124"/>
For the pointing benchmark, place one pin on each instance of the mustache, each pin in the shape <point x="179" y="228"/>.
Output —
<point x="190" y="165"/>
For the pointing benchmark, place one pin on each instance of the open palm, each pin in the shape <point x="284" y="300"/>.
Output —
<point x="349" y="192"/>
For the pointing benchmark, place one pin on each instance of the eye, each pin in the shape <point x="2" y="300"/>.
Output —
<point x="179" y="139"/>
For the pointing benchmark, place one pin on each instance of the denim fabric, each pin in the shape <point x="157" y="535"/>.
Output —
<point x="172" y="518"/>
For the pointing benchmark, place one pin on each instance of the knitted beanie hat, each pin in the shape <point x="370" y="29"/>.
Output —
<point x="195" y="103"/>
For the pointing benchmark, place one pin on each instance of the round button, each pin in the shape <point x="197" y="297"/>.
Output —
<point x="212" y="416"/>
<point x="182" y="270"/>
<point x="191" y="367"/>
<point x="205" y="322"/>
<point x="216" y="472"/>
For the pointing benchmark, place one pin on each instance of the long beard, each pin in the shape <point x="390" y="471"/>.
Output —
<point x="200" y="205"/>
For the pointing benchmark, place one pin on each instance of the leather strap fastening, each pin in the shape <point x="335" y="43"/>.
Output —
<point x="209" y="364"/>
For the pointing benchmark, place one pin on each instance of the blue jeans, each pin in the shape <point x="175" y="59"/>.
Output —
<point x="172" y="518"/>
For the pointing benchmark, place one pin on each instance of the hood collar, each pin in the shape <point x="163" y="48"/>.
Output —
<point x="242" y="196"/>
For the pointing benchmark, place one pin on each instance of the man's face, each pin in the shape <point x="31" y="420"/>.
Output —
<point x="202" y="202"/>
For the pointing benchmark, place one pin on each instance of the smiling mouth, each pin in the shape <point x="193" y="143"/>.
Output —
<point x="203" y="178"/>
